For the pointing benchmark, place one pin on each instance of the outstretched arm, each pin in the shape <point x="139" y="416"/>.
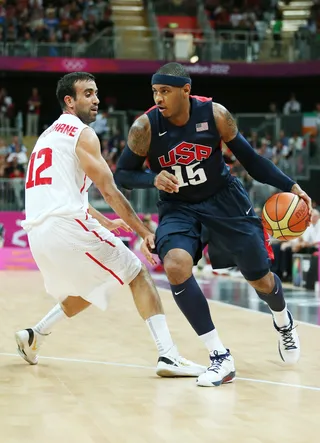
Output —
<point x="129" y="173"/>
<point x="260" y="168"/>
<point x="112" y="225"/>
<point x="96" y="168"/>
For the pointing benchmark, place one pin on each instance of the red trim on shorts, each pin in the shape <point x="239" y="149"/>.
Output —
<point x="201" y="98"/>
<point x="94" y="232"/>
<point x="267" y="244"/>
<point x="104" y="267"/>
<point x="84" y="183"/>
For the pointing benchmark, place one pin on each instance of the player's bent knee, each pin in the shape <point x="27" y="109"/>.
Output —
<point x="142" y="274"/>
<point x="178" y="265"/>
<point x="264" y="284"/>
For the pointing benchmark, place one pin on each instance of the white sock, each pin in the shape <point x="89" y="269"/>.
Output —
<point x="45" y="325"/>
<point x="281" y="318"/>
<point x="158" y="327"/>
<point x="212" y="342"/>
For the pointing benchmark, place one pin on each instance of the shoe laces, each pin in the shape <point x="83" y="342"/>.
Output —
<point x="287" y="338"/>
<point x="217" y="361"/>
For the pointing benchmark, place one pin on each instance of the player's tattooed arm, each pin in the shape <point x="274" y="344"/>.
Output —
<point x="225" y="123"/>
<point x="139" y="137"/>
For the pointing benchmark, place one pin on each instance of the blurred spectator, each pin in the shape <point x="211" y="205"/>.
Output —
<point x="277" y="34"/>
<point x="4" y="150"/>
<point x="16" y="142"/>
<point x="273" y="108"/>
<point x="33" y="113"/>
<point x="265" y="150"/>
<point x="6" y="111"/>
<point x="100" y="126"/>
<point x="3" y="166"/>
<point x="310" y="239"/>
<point x="318" y="127"/>
<point x="306" y="244"/>
<point x="283" y="138"/>
<point x="17" y="158"/>
<point x="17" y="184"/>
<point x="292" y="106"/>
<point x="253" y="140"/>
<point x="295" y="142"/>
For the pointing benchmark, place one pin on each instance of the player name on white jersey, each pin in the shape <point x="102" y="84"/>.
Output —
<point x="55" y="183"/>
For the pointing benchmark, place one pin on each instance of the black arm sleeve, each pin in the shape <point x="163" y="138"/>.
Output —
<point x="129" y="173"/>
<point x="260" y="168"/>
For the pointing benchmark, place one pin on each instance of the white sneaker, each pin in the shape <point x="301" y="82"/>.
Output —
<point x="289" y="343"/>
<point x="220" y="371"/>
<point x="29" y="341"/>
<point x="172" y="364"/>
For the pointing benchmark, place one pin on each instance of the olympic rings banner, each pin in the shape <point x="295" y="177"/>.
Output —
<point x="116" y="66"/>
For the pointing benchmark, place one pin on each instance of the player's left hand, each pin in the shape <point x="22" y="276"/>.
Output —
<point x="116" y="224"/>
<point x="298" y="191"/>
<point x="147" y="247"/>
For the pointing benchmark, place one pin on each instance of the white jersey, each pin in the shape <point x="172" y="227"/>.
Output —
<point x="76" y="255"/>
<point x="55" y="184"/>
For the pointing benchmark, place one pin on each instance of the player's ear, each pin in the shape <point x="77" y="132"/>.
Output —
<point x="68" y="100"/>
<point x="186" y="89"/>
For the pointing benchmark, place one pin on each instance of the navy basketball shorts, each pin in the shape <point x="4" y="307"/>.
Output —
<point x="226" y="222"/>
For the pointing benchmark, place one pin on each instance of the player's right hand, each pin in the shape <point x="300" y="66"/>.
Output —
<point x="147" y="247"/>
<point x="166" y="182"/>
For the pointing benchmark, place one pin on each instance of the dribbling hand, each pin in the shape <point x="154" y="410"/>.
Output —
<point x="166" y="182"/>
<point x="147" y="247"/>
<point x="300" y="193"/>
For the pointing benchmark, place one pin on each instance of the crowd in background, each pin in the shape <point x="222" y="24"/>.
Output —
<point x="52" y="23"/>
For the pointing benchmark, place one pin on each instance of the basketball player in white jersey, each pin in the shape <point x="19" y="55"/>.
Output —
<point x="80" y="259"/>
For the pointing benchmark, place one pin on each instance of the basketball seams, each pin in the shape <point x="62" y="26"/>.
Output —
<point x="272" y="223"/>
<point x="284" y="205"/>
<point x="286" y="232"/>
<point x="277" y="220"/>
<point x="285" y="221"/>
<point x="304" y="218"/>
<point x="300" y="221"/>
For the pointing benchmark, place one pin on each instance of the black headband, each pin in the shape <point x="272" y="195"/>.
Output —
<point x="170" y="80"/>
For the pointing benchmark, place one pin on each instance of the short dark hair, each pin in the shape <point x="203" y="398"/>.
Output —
<point x="174" y="68"/>
<point x="65" y="85"/>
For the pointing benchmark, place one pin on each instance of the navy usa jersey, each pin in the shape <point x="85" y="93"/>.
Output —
<point x="191" y="152"/>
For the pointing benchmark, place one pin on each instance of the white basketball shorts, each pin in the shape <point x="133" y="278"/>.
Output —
<point x="81" y="258"/>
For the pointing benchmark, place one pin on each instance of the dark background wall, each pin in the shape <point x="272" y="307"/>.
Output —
<point x="134" y="91"/>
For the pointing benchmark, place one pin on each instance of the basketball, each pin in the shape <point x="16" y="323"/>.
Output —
<point x="285" y="216"/>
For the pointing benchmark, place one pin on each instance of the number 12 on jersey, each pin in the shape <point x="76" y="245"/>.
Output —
<point x="195" y="177"/>
<point x="34" y="176"/>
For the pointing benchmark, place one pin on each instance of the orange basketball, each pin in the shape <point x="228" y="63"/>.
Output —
<point x="285" y="216"/>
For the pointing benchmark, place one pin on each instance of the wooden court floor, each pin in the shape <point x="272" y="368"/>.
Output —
<point x="96" y="380"/>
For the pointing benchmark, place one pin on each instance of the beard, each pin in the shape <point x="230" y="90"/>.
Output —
<point x="86" y="117"/>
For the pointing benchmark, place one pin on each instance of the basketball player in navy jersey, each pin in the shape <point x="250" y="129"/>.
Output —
<point x="180" y="136"/>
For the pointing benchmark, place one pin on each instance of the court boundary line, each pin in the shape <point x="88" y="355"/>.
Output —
<point x="128" y="365"/>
